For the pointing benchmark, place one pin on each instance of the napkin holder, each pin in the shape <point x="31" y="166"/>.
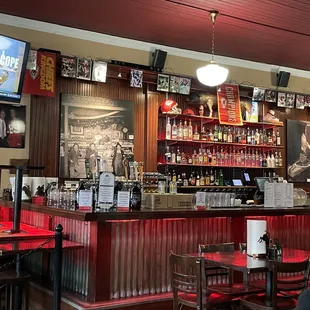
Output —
<point x="257" y="238"/>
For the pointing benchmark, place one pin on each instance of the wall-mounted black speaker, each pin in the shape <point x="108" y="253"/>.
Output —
<point x="283" y="78"/>
<point x="159" y="59"/>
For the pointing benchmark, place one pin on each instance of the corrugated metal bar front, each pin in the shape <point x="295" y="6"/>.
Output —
<point x="140" y="251"/>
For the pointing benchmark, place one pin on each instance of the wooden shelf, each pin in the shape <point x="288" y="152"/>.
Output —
<point x="174" y="141"/>
<point x="216" y="166"/>
<point x="218" y="187"/>
<point x="215" y="120"/>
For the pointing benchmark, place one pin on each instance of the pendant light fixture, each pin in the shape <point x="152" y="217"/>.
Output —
<point x="212" y="74"/>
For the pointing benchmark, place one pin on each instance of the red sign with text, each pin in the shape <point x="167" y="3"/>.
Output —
<point x="229" y="106"/>
<point x="42" y="81"/>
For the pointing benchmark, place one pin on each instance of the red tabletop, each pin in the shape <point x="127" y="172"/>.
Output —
<point x="240" y="261"/>
<point x="28" y="232"/>
<point x="23" y="246"/>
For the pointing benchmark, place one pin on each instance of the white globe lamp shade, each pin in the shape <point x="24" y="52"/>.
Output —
<point x="212" y="74"/>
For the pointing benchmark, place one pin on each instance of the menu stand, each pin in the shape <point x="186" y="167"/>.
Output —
<point x="16" y="219"/>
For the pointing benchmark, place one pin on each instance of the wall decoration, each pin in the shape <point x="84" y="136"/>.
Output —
<point x="91" y="127"/>
<point x="136" y="78"/>
<point x="298" y="151"/>
<point x="281" y="100"/>
<point x="174" y="85"/>
<point x="229" y="106"/>
<point x="12" y="126"/>
<point x="99" y="72"/>
<point x="270" y="95"/>
<point x="42" y="81"/>
<point x="258" y="94"/>
<point x="290" y="100"/>
<point x="68" y="66"/>
<point x="185" y="86"/>
<point x="163" y="82"/>
<point x="307" y="100"/>
<point x="251" y="113"/>
<point x="32" y="60"/>
<point x="300" y="102"/>
<point x="84" y="69"/>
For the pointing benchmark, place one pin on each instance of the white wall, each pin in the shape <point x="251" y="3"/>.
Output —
<point x="6" y="154"/>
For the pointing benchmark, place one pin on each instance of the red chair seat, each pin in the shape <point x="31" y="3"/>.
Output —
<point x="235" y="289"/>
<point x="212" y="299"/>
<point x="260" y="300"/>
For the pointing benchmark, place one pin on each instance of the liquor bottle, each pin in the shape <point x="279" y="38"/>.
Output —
<point x="261" y="137"/>
<point x="168" y="155"/>
<point x="253" y="163"/>
<point x="248" y="136"/>
<point x="200" y="157"/>
<point x="237" y="136"/>
<point x="168" y="129"/>
<point x="260" y="159"/>
<point x="218" y="157"/>
<point x="180" y="131"/>
<point x="190" y="159"/>
<point x="196" y="134"/>
<point x="174" y="131"/>
<point x="272" y="161"/>
<point x="226" y="157"/>
<point x="252" y="137"/>
<point x="268" y="160"/>
<point x="269" y="138"/>
<point x="225" y="135"/>
<point x="179" y="157"/>
<point x="246" y="158"/>
<point x="193" y="179"/>
<point x="230" y="158"/>
<point x="265" y="163"/>
<point x="211" y="177"/>
<point x="256" y="159"/>
<point x="190" y="130"/>
<point x="198" y="180"/>
<point x="257" y="137"/>
<point x="205" y="157"/>
<point x="173" y="157"/>
<point x="185" y="180"/>
<point x="195" y="158"/>
<point x="211" y="135"/>
<point x="276" y="159"/>
<point x="174" y="176"/>
<point x="216" y="178"/>
<point x="280" y="160"/>
<point x="135" y="197"/>
<point x="243" y="137"/>
<point x="221" y="178"/>
<point x="203" y="134"/>
<point x="220" y="134"/>
<point x="210" y="157"/>
<point x="229" y="136"/>
<point x="278" y="138"/>
<point x="185" y="131"/>
<point x="179" y="181"/>
<point x="183" y="158"/>
<point x="216" y="136"/>
<point x="207" y="178"/>
<point x="242" y="158"/>
<point x="222" y="157"/>
<point x="202" y="179"/>
<point x="274" y="138"/>
<point x="265" y="137"/>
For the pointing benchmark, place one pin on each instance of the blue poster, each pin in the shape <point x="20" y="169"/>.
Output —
<point x="11" y="60"/>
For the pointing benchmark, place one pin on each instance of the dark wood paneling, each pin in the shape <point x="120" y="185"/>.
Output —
<point x="44" y="126"/>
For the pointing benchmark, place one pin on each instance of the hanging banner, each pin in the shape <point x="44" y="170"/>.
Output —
<point x="229" y="106"/>
<point x="42" y="81"/>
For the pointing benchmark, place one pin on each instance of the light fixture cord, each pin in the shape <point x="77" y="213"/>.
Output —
<point x="213" y="38"/>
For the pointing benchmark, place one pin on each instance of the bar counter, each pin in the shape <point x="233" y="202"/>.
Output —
<point x="125" y="254"/>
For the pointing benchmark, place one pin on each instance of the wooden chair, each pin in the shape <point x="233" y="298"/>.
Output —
<point x="235" y="289"/>
<point x="189" y="285"/>
<point x="8" y="280"/>
<point x="285" y="290"/>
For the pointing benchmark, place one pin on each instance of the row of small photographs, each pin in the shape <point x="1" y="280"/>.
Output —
<point x="173" y="84"/>
<point x="284" y="100"/>
<point x="83" y="69"/>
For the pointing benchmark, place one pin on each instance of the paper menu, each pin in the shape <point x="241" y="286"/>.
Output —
<point x="278" y="195"/>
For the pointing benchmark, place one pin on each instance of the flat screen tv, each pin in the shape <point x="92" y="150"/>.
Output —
<point x="13" y="62"/>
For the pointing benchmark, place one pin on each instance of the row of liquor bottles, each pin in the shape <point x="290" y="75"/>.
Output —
<point x="224" y="134"/>
<point x="225" y="156"/>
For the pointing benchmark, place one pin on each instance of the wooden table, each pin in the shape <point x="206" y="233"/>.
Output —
<point x="240" y="261"/>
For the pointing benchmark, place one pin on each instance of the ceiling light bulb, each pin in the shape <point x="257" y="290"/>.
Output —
<point x="212" y="74"/>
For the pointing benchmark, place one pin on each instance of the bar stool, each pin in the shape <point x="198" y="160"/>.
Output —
<point x="8" y="280"/>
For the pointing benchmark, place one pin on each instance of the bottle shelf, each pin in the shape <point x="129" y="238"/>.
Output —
<point x="216" y="166"/>
<point x="202" y="142"/>
<point x="217" y="187"/>
<point x="215" y="120"/>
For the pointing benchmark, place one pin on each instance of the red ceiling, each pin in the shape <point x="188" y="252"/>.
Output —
<point x="270" y="31"/>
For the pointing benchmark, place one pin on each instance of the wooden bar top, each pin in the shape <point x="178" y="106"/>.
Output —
<point x="162" y="214"/>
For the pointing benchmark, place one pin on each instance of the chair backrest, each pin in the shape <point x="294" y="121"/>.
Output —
<point x="289" y="287"/>
<point x="187" y="277"/>
<point x="221" y="247"/>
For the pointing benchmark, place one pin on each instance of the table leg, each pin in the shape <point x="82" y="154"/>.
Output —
<point x="18" y="289"/>
<point x="58" y="268"/>
<point x="269" y="288"/>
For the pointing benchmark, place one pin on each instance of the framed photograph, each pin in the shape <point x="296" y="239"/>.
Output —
<point x="298" y="155"/>
<point x="300" y="102"/>
<point x="174" y="85"/>
<point x="68" y="67"/>
<point x="163" y="82"/>
<point x="185" y="86"/>
<point x="32" y="60"/>
<point x="136" y="78"/>
<point x="258" y="94"/>
<point x="12" y="126"/>
<point x="91" y="128"/>
<point x="270" y="95"/>
<point x="281" y="100"/>
<point x="290" y="100"/>
<point x="307" y="100"/>
<point x="99" y="72"/>
<point x="84" y="69"/>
